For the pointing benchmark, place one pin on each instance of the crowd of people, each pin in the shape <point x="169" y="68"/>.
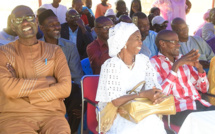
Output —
<point x="41" y="54"/>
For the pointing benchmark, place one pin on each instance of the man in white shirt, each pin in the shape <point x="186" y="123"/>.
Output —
<point x="59" y="10"/>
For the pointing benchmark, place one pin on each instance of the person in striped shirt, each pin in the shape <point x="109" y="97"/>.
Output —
<point x="180" y="76"/>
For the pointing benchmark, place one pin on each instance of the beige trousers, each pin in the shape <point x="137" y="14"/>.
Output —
<point x="53" y="124"/>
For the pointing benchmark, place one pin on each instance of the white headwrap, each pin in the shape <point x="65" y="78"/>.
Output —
<point x="119" y="35"/>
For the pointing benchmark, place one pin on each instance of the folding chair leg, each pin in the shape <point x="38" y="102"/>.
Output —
<point x="169" y="125"/>
<point x="82" y="117"/>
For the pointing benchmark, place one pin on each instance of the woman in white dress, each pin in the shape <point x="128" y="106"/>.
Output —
<point x="121" y="73"/>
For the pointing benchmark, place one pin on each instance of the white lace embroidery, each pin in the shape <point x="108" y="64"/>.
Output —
<point x="116" y="79"/>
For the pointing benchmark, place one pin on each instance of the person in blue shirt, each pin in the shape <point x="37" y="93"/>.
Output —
<point x="149" y="47"/>
<point x="88" y="5"/>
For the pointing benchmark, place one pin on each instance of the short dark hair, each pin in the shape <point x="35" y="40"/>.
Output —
<point x="140" y="15"/>
<point x="100" y="19"/>
<point x="119" y="2"/>
<point x="153" y="9"/>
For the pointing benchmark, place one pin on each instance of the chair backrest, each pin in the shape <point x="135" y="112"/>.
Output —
<point x="85" y="63"/>
<point x="89" y="87"/>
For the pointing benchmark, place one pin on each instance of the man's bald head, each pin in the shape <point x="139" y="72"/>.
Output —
<point x="22" y="16"/>
<point x="19" y="8"/>
<point x="72" y="16"/>
<point x="163" y="35"/>
<point x="180" y="27"/>
<point x="176" y="22"/>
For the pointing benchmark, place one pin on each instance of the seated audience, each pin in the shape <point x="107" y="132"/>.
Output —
<point x="159" y="23"/>
<point x="86" y="16"/>
<point x="192" y="42"/>
<point x="180" y="76"/>
<point x="124" y="70"/>
<point x="102" y="8"/>
<point x="75" y="31"/>
<point x="208" y="29"/>
<point x="35" y="79"/>
<point x="50" y="26"/>
<point x="135" y="7"/>
<point x="97" y="51"/>
<point x="171" y="9"/>
<point x="58" y="9"/>
<point x="121" y="8"/>
<point x="7" y="34"/>
<point x="111" y="15"/>
<point x="149" y="47"/>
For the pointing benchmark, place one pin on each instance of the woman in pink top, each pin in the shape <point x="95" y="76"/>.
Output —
<point x="171" y="9"/>
<point x="102" y="8"/>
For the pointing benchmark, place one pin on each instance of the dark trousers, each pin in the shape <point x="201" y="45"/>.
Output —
<point x="73" y="107"/>
<point x="179" y="118"/>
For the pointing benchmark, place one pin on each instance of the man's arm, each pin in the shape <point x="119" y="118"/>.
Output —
<point x="199" y="78"/>
<point x="188" y="6"/>
<point x="62" y="88"/>
<point x="14" y="87"/>
<point x="87" y="36"/>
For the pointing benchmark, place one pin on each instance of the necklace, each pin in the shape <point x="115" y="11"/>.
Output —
<point x="129" y="66"/>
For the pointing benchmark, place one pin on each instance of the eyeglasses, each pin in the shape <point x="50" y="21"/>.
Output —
<point x="19" y="20"/>
<point x="172" y="41"/>
<point x="74" y="16"/>
<point x="106" y="27"/>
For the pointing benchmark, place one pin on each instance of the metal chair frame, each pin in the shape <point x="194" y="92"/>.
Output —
<point x="88" y="101"/>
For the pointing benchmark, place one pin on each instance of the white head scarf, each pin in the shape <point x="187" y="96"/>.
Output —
<point x="119" y="35"/>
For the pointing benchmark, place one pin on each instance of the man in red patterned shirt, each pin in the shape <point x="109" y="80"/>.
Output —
<point x="180" y="76"/>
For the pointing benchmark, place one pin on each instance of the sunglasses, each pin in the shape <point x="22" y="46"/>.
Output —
<point x="19" y="20"/>
<point x="74" y="16"/>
